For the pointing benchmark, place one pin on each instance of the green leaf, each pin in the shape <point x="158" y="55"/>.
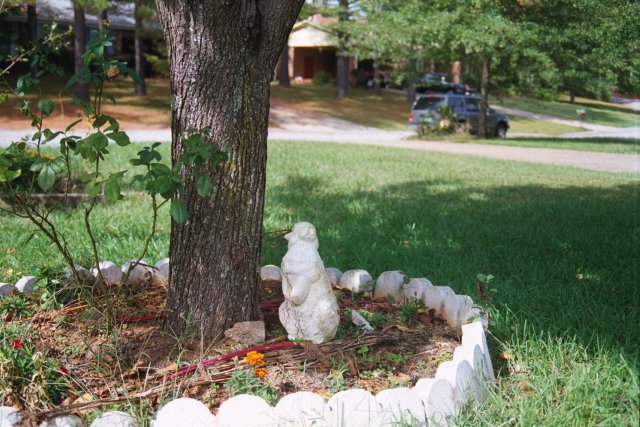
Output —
<point x="204" y="185"/>
<point x="179" y="211"/>
<point x="72" y="125"/>
<point x="46" y="107"/>
<point x="112" y="191"/>
<point x="46" y="178"/>
<point x="120" y="138"/>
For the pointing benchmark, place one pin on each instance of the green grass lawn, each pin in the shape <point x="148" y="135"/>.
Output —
<point x="605" y="145"/>
<point x="562" y="243"/>
<point x="524" y="124"/>
<point x="600" y="113"/>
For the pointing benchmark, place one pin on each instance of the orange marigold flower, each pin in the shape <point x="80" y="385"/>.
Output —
<point x="254" y="358"/>
<point x="260" y="372"/>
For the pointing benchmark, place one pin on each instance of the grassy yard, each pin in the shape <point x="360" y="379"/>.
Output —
<point x="605" y="145"/>
<point x="600" y="113"/>
<point x="563" y="245"/>
<point x="523" y="124"/>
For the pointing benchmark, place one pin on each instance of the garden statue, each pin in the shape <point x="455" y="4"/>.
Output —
<point x="310" y="309"/>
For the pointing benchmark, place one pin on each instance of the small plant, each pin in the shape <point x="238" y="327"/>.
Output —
<point x="252" y="381"/>
<point x="442" y="121"/>
<point x="27" y="376"/>
<point x="55" y="288"/>
<point x="409" y="311"/>
<point x="335" y="381"/>
<point x="322" y="78"/>
<point x="14" y="307"/>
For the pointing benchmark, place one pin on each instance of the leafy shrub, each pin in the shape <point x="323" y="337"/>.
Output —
<point x="27" y="376"/>
<point x="441" y="122"/>
<point x="322" y="78"/>
<point x="14" y="306"/>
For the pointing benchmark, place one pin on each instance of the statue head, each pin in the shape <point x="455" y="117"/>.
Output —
<point x="302" y="232"/>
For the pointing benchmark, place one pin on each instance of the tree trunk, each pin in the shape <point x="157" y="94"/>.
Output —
<point x="572" y="97"/>
<point x="376" y="78"/>
<point x="342" y="58"/>
<point x="456" y="72"/>
<point x="222" y="56"/>
<point x="411" y="81"/>
<point x="484" y="97"/>
<point x="141" y="88"/>
<point x="32" y="26"/>
<point x="284" y="67"/>
<point x="81" y="91"/>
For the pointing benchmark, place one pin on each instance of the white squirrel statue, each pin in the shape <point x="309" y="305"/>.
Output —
<point x="310" y="309"/>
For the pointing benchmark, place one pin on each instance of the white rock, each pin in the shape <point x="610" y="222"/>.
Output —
<point x="114" y="419"/>
<point x="400" y="406"/>
<point x="434" y="297"/>
<point x="247" y="411"/>
<point x="472" y="335"/>
<point x="270" y="273"/>
<point x="356" y="281"/>
<point x="334" y="275"/>
<point x="111" y="273"/>
<point x="456" y="309"/>
<point x="302" y="409"/>
<point x="310" y="310"/>
<point x="27" y="284"/>
<point x="389" y="285"/>
<point x="9" y="417"/>
<point x="62" y="421"/>
<point x="416" y="288"/>
<point x="162" y="269"/>
<point x="438" y="399"/>
<point x="353" y="408"/>
<point x="184" y="412"/>
<point x="6" y="289"/>
<point x="141" y="274"/>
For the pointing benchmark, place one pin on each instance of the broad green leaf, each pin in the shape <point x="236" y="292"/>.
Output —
<point x="179" y="211"/>
<point x="46" y="178"/>
<point x="204" y="185"/>
<point x="120" y="138"/>
<point x="68" y="128"/>
<point x="112" y="191"/>
<point x="46" y="107"/>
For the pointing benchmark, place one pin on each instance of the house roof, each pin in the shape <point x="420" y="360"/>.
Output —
<point x="61" y="11"/>
<point x="313" y="32"/>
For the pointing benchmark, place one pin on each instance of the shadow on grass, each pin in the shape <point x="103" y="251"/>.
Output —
<point x="565" y="260"/>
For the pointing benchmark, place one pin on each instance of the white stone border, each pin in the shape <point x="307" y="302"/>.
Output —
<point x="459" y="383"/>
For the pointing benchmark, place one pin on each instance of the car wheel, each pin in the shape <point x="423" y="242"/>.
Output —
<point x="501" y="131"/>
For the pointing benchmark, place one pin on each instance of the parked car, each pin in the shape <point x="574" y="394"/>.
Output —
<point x="465" y="107"/>
<point x="437" y="82"/>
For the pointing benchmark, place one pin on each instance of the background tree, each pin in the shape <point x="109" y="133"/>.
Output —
<point x="222" y="57"/>
<point x="342" y="54"/>
<point x="139" y="15"/>
<point x="81" y="90"/>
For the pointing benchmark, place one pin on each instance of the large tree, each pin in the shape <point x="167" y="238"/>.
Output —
<point x="222" y="56"/>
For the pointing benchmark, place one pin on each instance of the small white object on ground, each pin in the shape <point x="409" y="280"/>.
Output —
<point x="249" y="333"/>
<point x="62" y="421"/>
<point x="438" y="398"/>
<point x="333" y="274"/>
<point x="416" y="288"/>
<point x="184" y="412"/>
<point x="114" y="419"/>
<point x="360" y="321"/>
<point x="111" y="273"/>
<point x="9" y="417"/>
<point x="162" y="269"/>
<point x="302" y="409"/>
<point x="473" y="334"/>
<point x="84" y="275"/>
<point x="270" y="273"/>
<point x="141" y="274"/>
<point x="356" y="281"/>
<point x="27" y="284"/>
<point x="389" y="285"/>
<point x="434" y="297"/>
<point x="310" y="310"/>
<point x="353" y="408"/>
<point x="456" y="309"/>
<point x="247" y="411"/>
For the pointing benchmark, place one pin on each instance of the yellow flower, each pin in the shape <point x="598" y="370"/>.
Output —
<point x="254" y="358"/>
<point x="260" y="372"/>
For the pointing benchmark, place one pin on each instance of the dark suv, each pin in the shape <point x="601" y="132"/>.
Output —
<point x="465" y="107"/>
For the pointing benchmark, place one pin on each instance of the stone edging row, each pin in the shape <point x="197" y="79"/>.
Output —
<point x="459" y="383"/>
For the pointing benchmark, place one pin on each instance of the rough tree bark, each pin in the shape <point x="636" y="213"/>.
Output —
<point x="222" y="55"/>
<point x="81" y="90"/>
<point x="484" y="97"/>
<point x="32" y="26"/>
<point x="141" y="88"/>
<point x="284" y="67"/>
<point x="342" y="60"/>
